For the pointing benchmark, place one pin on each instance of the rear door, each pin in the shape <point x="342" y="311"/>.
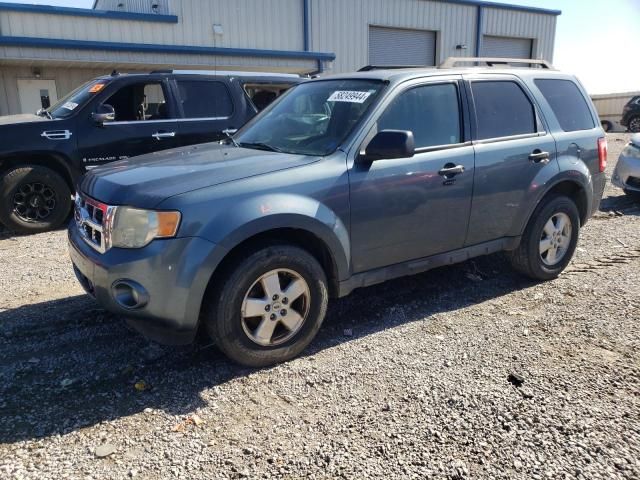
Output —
<point x="207" y="108"/>
<point x="144" y="123"/>
<point x="515" y="154"/>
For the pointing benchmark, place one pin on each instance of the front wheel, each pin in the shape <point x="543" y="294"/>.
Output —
<point x="269" y="306"/>
<point x="634" y="124"/>
<point x="549" y="239"/>
<point x="33" y="199"/>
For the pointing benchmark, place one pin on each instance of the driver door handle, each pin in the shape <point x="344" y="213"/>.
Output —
<point x="538" y="156"/>
<point x="449" y="171"/>
<point x="161" y="135"/>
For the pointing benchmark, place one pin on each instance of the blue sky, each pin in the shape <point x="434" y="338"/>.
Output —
<point x="597" y="41"/>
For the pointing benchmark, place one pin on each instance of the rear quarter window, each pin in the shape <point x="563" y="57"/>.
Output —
<point x="568" y="104"/>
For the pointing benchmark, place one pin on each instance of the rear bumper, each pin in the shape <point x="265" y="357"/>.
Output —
<point x="158" y="288"/>
<point x="627" y="173"/>
<point x="599" y="181"/>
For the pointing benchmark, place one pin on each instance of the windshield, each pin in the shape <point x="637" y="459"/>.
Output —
<point x="312" y="118"/>
<point x="67" y="105"/>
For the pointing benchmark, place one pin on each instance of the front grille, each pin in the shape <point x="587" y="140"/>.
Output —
<point x="93" y="219"/>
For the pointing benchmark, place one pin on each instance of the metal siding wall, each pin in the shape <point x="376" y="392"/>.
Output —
<point x="342" y="26"/>
<point x="512" y="23"/>
<point x="276" y="24"/>
<point x="138" y="6"/>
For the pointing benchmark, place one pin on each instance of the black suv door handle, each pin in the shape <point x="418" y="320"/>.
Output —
<point x="450" y="170"/>
<point x="538" y="156"/>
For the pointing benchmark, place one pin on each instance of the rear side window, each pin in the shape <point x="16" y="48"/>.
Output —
<point x="431" y="112"/>
<point x="502" y="110"/>
<point x="567" y="103"/>
<point x="204" y="99"/>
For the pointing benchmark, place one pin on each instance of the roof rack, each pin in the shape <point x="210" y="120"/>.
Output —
<point x="451" y="62"/>
<point x="368" y="68"/>
<point x="227" y="72"/>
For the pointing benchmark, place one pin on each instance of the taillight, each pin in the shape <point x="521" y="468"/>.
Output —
<point x="602" y="153"/>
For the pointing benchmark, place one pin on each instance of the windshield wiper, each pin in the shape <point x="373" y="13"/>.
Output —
<point x="229" y="135"/>
<point x="260" y="146"/>
<point x="44" y="113"/>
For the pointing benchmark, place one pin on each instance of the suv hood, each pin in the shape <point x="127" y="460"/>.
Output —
<point x="22" y="118"/>
<point x="147" y="180"/>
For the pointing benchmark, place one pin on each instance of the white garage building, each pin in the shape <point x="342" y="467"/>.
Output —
<point x="46" y="51"/>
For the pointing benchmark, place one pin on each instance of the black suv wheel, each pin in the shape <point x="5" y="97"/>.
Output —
<point x="269" y="306"/>
<point x="549" y="240"/>
<point x="33" y="199"/>
<point x="634" y="124"/>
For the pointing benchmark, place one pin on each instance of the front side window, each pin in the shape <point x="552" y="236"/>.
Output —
<point x="502" y="109"/>
<point x="139" y="102"/>
<point x="313" y="118"/>
<point x="431" y="112"/>
<point x="204" y="99"/>
<point x="66" y="106"/>
<point x="567" y="103"/>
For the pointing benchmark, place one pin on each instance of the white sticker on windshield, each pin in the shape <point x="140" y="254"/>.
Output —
<point x="348" y="96"/>
<point x="70" y="105"/>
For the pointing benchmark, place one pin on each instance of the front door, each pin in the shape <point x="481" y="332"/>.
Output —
<point x="36" y="94"/>
<point x="144" y="123"/>
<point x="404" y="209"/>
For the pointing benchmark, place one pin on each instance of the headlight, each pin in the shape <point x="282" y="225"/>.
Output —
<point x="135" y="228"/>
<point x="631" y="151"/>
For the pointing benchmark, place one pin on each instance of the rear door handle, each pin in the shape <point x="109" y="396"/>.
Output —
<point x="449" y="170"/>
<point x="538" y="156"/>
<point x="161" y="135"/>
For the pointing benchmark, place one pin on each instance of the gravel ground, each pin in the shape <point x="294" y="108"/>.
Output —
<point x="409" y="379"/>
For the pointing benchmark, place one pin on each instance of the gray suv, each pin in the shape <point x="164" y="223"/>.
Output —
<point x="344" y="182"/>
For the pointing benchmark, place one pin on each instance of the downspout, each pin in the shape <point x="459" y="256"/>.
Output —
<point x="306" y="32"/>
<point x="479" y="22"/>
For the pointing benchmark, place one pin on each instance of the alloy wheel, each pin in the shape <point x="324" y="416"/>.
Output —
<point x="34" y="202"/>
<point x="555" y="239"/>
<point x="275" y="307"/>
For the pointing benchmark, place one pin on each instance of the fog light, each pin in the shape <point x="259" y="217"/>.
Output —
<point x="129" y="294"/>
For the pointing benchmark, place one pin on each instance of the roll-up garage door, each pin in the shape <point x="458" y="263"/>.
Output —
<point x="399" y="46"/>
<point x="506" y="47"/>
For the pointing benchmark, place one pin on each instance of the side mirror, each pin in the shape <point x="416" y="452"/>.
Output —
<point x="389" y="144"/>
<point x="105" y="113"/>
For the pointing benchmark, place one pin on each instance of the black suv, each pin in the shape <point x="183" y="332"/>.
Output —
<point x="631" y="115"/>
<point x="112" y="118"/>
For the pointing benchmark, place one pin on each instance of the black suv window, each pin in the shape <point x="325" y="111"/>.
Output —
<point x="204" y="99"/>
<point x="139" y="102"/>
<point x="502" y="109"/>
<point x="431" y="112"/>
<point x="567" y="103"/>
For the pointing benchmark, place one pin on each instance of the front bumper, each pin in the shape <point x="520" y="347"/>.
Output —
<point x="169" y="277"/>
<point x="626" y="175"/>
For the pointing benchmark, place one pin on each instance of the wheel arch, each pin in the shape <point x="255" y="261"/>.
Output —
<point x="571" y="187"/>
<point x="55" y="161"/>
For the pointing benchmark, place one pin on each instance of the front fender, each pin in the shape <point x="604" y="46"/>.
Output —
<point x="254" y="215"/>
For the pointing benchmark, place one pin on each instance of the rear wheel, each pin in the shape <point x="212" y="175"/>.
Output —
<point x="549" y="240"/>
<point x="634" y="124"/>
<point x="34" y="199"/>
<point x="269" y="306"/>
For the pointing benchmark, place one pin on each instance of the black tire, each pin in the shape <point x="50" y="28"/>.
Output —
<point x="634" y="124"/>
<point x="48" y="211"/>
<point x="527" y="258"/>
<point x="223" y="315"/>
<point x="606" y="125"/>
